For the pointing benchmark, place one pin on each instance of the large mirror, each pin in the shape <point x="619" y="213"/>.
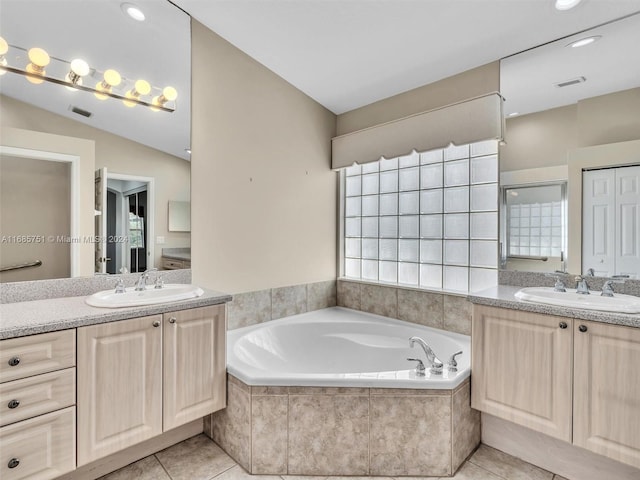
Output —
<point x="87" y="180"/>
<point x="569" y="176"/>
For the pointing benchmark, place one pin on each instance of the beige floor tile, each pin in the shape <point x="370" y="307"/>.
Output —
<point x="469" y="471"/>
<point x="239" y="473"/>
<point x="507" y="466"/>
<point x="146" y="469"/>
<point x="197" y="458"/>
<point x="558" y="477"/>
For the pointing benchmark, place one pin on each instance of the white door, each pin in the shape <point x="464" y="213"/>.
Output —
<point x="598" y="221"/>
<point x="627" y="254"/>
<point x="101" y="220"/>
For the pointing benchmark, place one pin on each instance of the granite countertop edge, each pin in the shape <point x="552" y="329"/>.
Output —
<point x="177" y="256"/>
<point x="502" y="297"/>
<point x="25" y="318"/>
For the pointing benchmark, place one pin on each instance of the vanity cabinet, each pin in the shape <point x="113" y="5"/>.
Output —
<point x="521" y="364"/>
<point x="37" y="412"/>
<point x="571" y="379"/>
<point x="174" y="264"/>
<point x="606" y="405"/>
<point x="141" y="377"/>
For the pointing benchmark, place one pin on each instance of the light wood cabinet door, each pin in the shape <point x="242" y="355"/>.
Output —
<point x="119" y="385"/>
<point x="606" y="415"/>
<point x="194" y="364"/>
<point x="522" y="368"/>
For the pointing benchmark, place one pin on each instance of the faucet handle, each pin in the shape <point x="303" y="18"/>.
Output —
<point x="452" y="365"/>
<point x="159" y="282"/>
<point x="419" y="367"/>
<point x="120" y="287"/>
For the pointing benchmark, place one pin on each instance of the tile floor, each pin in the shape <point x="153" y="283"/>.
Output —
<point x="198" y="458"/>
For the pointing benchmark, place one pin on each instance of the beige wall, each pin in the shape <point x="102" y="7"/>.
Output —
<point x="119" y="155"/>
<point x="540" y="139"/>
<point x="264" y="197"/>
<point x="543" y="139"/>
<point x="472" y="83"/>
<point x="84" y="150"/>
<point x="24" y="182"/>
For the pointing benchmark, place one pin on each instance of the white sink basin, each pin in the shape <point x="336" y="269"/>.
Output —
<point x="618" y="303"/>
<point x="150" y="296"/>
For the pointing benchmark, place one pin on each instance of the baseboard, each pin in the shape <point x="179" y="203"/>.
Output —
<point x="554" y="455"/>
<point x="113" y="462"/>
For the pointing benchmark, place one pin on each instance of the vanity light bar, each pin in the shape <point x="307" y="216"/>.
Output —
<point x="39" y="60"/>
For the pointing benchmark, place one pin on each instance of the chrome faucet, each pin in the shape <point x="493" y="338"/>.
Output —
<point x="141" y="285"/>
<point x="435" y="365"/>
<point x="559" y="285"/>
<point x="581" y="286"/>
<point x="120" y="286"/>
<point x="607" y="289"/>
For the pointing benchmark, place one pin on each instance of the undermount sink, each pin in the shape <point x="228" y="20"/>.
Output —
<point x="150" y="296"/>
<point x="618" y="303"/>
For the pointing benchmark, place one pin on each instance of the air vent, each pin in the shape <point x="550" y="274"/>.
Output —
<point x="80" y="111"/>
<point x="573" y="81"/>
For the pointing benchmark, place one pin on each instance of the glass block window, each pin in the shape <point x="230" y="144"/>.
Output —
<point x="425" y="220"/>
<point x="535" y="220"/>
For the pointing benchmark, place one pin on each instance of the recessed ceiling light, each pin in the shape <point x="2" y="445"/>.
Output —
<point x="188" y="150"/>
<point x="584" y="41"/>
<point x="566" y="4"/>
<point x="133" y="11"/>
<point x="513" y="114"/>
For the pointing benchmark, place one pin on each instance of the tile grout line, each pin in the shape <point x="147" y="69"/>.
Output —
<point x="162" y="465"/>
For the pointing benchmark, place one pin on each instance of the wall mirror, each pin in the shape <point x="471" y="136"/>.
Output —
<point x="130" y="160"/>
<point x="572" y="106"/>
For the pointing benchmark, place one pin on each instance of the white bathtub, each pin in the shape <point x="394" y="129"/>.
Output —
<point x="339" y="347"/>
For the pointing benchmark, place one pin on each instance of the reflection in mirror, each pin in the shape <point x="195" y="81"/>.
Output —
<point x="570" y="109"/>
<point x="534" y="226"/>
<point x="179" y="216"/>
<point x="135" y="142"/>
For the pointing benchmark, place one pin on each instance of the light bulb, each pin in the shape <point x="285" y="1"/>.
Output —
<point x="39" y="59"/>
<point x="111" y="79"/>
<point x="79" y="68"/>
<point x="133" y="11"/>
<point x="141" y="87"/>
<point x="169" y="94"/>
<point x="4" y="48"/>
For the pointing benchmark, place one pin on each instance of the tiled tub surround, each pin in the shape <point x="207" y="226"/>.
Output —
<point x="260" y="306"/>
<point x="346" y="431"/>
<point x="14" y="292"/>
<point x="433" y="309"/>
<point x="302" y="415"/>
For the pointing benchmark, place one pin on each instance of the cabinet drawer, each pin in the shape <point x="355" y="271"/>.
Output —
<point x="28" y="397"/>
<point x="172" y="264"/>
<point x="42" y="447"/>
<point x="27" y="356"/>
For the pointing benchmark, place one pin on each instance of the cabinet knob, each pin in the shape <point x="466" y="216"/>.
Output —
<point x="156" y="323"/>
<point x="562" y="325"/>
<point x="13" y="404"/>
<point x="582" y="328"/>
<point x="13" y="361"/>
<point x="13" y="463"/>
<point x="172" y="320"/>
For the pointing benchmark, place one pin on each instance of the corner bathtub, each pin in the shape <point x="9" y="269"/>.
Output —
<point x="339" y="347"/>
<point x="331" y="392"/>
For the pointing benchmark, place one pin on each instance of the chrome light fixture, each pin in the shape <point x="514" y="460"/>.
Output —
<point x="71" y="75"/>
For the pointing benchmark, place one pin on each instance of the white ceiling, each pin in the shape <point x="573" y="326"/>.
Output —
<point x="157" y="50"/>
<point x="349" y="53"/>
<point x="343" y="53"/>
